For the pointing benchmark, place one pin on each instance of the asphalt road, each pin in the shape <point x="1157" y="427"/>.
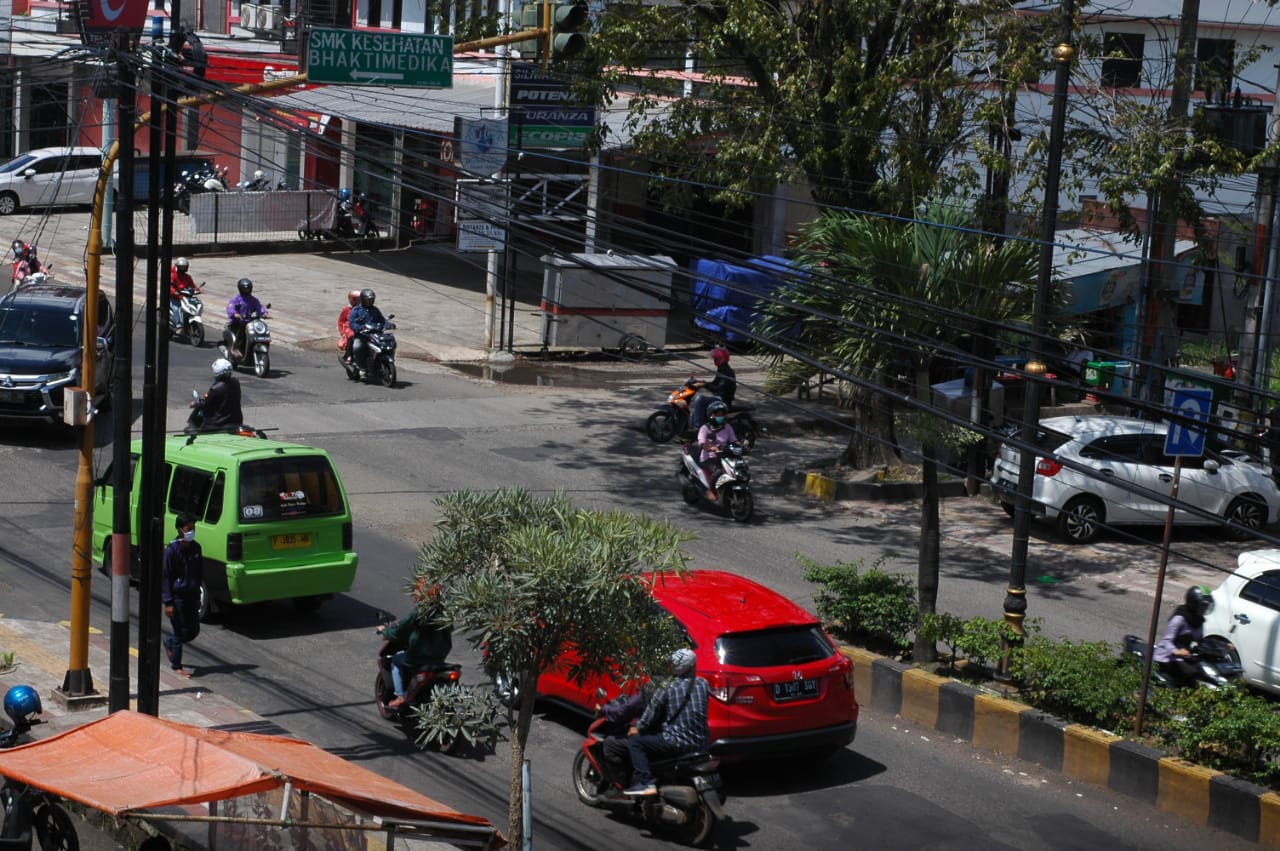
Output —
<point x="896" y="788"/>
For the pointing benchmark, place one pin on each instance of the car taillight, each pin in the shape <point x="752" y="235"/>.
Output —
<point x="1048" y="467"/>
<point x="724" y="687"/>
<point x="845" y="668"/>
<point x="235" y="547"/>
<point x="346" y="536"/>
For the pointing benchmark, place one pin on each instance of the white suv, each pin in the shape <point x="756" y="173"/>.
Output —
<point x="49" y="177"/>
<point x="1123" y="464"/>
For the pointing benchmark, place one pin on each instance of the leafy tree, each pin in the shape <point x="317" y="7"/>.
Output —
<point x="885" y="298"/>
<point x="527" y="578"/>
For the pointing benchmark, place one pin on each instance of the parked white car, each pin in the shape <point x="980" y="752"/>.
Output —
<point x="49" y="177"/>
<point x="1123" y="464"/>
<point x="1245" y="610"/>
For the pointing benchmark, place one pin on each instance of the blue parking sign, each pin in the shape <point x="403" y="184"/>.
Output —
<point x="1187" y="433"/>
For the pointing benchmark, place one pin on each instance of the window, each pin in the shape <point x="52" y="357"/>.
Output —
<point x="1215" y="66"/>
<point x="287" y="487"/>
<point x="769" y="648"/>
<point x="1264" y="590"/>
<point x="190" y="492"/>
<point x="1121" y="60"/>
<point x="1115" y="449"/>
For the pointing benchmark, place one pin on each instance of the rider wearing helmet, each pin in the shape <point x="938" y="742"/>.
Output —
<point x="22" y="704"/>
<point x="674" y="723"/>
<point x="179" y="280"/>
<point x="724" y="386"/>
<point x="344" y="324"/>
<point x="1174" y="652"/>
<point x="239" y="311"/>
<point x="221" y="404"/>
<point x="365" y="317"/>
<point x="715" y="433"/>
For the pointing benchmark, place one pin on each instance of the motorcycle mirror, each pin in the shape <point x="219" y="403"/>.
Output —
<point x="195" y="394"/>
<point x="601" y="694"/>
<point x="268" y="305"/>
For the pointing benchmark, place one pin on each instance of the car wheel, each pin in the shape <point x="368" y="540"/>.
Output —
<point x="207" y="604"/>
<point x="307" y="605"/>
<point x="1081" y="519"/>
<point x="8" y="203"/>
<point x="1247" y="511"/>
<point x="1009" y="508"/>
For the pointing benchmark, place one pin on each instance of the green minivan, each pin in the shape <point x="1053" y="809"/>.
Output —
<point x="272" y="518"/>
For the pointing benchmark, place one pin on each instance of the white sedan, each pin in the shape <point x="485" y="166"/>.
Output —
<point x="1245" y="610"/>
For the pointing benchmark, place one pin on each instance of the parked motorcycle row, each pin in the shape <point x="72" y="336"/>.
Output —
<point x="731" y="472"/>
<point x="195" y="181"/>
<point x="353" y="220"/>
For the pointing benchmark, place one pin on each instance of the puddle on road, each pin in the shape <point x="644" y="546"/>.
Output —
<point x="540" y="375"/>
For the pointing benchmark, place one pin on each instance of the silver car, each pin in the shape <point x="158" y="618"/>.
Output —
<point x="1114" y="467"/>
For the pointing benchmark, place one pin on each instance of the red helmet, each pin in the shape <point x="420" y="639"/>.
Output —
<point x="720" y="356"/>
<point x="353" y="297"/>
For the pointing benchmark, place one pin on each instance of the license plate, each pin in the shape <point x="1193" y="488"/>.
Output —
<point x="290" y="542"/>
<point x="794" y="690"/>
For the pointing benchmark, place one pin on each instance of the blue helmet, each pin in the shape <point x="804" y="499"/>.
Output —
<point x="344" y="193"/>
<point x="21" y="703"/>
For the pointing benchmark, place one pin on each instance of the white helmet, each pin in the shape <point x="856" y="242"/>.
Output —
<point x="222" y="367"/>
<point x="181" y="263"/>
<point x="257" y="175"/>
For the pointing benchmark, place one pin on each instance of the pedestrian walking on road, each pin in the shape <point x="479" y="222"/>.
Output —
<point x="181" y="576"/>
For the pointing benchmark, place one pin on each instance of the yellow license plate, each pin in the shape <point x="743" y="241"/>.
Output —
<point x="290" y="542"/>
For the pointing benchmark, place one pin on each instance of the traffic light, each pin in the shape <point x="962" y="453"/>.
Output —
<point x="530" y="19"/>
<point x="567" y="22"/>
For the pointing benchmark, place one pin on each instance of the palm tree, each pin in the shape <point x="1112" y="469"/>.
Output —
<point x="884" y="297"/>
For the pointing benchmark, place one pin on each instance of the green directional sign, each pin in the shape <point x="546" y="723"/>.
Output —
<point x="358" y="58"/>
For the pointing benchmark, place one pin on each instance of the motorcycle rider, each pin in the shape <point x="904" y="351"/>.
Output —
<point x="724" y="386"/>
<point x="179" y="280"/>
<point x="1186" y="627"/>
<point x="221" y="403"/>
<point x="425" y="641"/>
<point x="363" y="319"/>
<point x="243" y="306"/>
<point x="674" y="723"/>
<point x="715" y="434"/>
<point x="344" y="324"/>
<point x="25" y="262"/>
<point x="621" y="712"/>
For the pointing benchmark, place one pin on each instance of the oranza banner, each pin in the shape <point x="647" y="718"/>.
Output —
<point x="543" y="112"/>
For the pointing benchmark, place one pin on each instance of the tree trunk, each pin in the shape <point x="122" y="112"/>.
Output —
<point x="519" y="738"/>
<point x="927" y="571"/>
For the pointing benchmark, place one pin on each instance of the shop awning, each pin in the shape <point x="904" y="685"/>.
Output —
<point x="1103" y="269"/>
<point x="128" y="763"/>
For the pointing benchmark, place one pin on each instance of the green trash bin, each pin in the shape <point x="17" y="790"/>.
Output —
<point x="1099" y="373"/>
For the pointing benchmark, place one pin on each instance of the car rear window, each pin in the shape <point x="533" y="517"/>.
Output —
<point x="287" y="487"/>
<point x="771" y="647"/>
<point x="1048" y="440"/>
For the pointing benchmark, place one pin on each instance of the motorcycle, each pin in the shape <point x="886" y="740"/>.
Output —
<point x="258" y="183"/>
<point x="1216" y="663"/>
<point x="208" y="179"/>
<point x="418" y="688"/>
<point x="732" y="471"/>
<point x="690" y="795"/>
<point x="256" y="348"/>
<point x="190" y="313"/>
<point x="672" y="418"/>
<point x="195" y="422"/>
<point x="381" y="357"/>
<point x="26" y="809"/>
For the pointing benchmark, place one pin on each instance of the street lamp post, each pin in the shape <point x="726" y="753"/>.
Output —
<point x="1015" y="600"/>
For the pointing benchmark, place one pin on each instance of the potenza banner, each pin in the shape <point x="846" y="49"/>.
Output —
<point x="103" y="17"/>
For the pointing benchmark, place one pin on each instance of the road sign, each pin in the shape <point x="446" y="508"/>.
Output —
<point x="357" y="58"/>
<point x="1187" y="433"/>
<point x="482" y="144"/>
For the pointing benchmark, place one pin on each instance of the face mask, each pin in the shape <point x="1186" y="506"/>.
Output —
<point x="718" y="420"/>
<point x="189" y="535"/>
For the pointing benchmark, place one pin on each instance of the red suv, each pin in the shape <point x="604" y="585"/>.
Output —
<point x="779" y="685"/>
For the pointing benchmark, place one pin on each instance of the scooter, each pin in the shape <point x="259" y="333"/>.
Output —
<point x="256" y="347"/>
<point x="732" y="472"/>
<point x="381" y="357"/>
<point x="1217" y="663"/>
<point x="25" y="809"/>
<point x="190" y="313"/>
<point x="672" y="418"/>
<point x="421" y="682"/>
<point x="690" y="795"/>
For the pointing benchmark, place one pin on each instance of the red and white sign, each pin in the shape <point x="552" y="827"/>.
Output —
<point x="110" y="15"/>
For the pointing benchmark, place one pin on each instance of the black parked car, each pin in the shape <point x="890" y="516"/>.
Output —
<point x="41" y="341"/>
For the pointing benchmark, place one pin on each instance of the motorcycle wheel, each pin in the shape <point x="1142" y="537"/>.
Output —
<point x="387" y="374"/>
<point x="507" y="687"/>
<point x="741" y="505"/>
<point x="745" y="429"/>
<point x="382" y="692"/>
<point x="660" y="427"/>
<point x="55" y="829"/>
<point x="261" y="363"/>
<point x="691" y="493"/>
<point x="697" y="830"/>
<point x="587" y="781"/>
<point x="195" y="333"/>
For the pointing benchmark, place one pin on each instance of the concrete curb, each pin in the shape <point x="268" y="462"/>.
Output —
<point x="1193" y="792"/>
<point x="828" y="489"/>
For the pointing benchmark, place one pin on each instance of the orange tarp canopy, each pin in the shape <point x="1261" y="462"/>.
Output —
<point x="129" y="762"/>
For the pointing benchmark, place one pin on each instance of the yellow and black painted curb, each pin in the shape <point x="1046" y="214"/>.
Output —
<point x="1082" y="753"/>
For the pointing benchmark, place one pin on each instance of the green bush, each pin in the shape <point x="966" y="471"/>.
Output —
<point x="457" y="713"/>
<point x="1086" y="682"/>
<point x="1229" y="729"/>
<point x="978" y="640"/>
<point x="871" y="604"/>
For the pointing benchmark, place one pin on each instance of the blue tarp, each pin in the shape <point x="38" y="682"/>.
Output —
<point x="725" y="296"/>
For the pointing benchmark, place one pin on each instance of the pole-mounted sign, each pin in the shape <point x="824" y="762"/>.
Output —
<point x="104" y="17"/>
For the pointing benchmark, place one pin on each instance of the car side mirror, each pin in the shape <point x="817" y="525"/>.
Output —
<point x="29" y="173"/>
<point x="1211" y="466"/>
<point x="102" y="346"/>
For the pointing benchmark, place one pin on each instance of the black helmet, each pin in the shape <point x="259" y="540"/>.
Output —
<point x="1197" y="600"/>
<point x="716" y="413"/>
<point x="245" y="286"/>
<point x="367" y="296"/>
